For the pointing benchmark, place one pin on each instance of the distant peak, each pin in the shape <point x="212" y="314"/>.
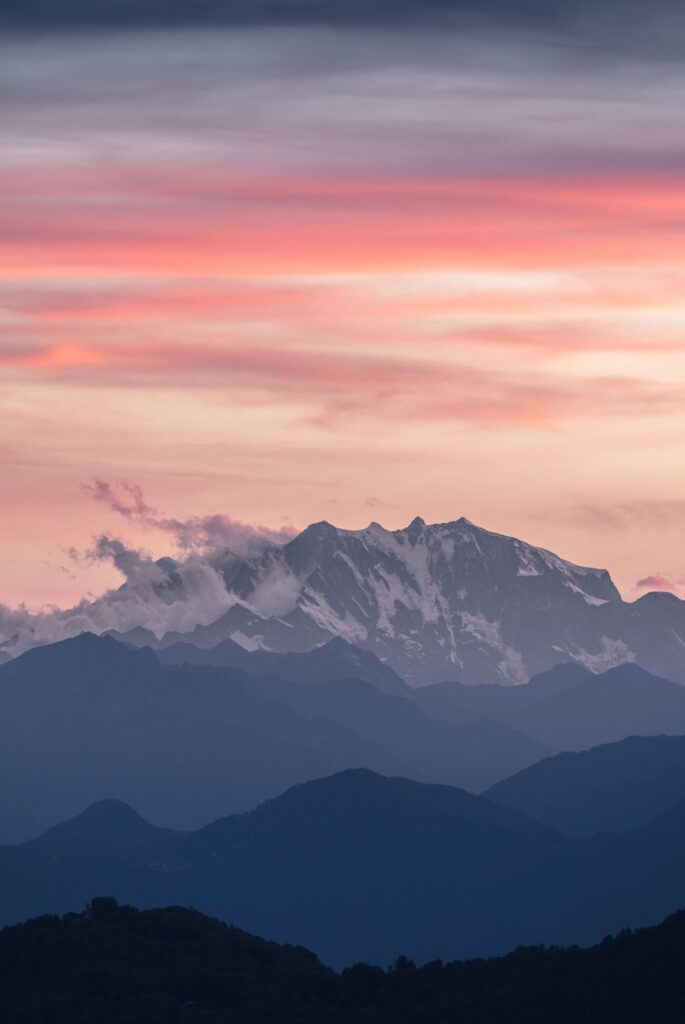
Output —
<point x="103" y="822"/>
<point x="338" y="643"/>
<point x="322" y="528"/>
<point x="417" y="523"/>
<point x="110" y="809"/>
<point x="658" y="595"/>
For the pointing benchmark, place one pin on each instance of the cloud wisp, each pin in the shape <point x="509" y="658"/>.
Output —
<point x="659" y="581"/>
<point x="198" y="534"/>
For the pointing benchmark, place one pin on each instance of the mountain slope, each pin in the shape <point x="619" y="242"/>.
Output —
<point x="360" y="866"/>
<point x="614" y="787"/>
<point x="335" y="659"/>
<point x="568" y="708"/>
<point x="90" y="718"/>
<point x="441" y="601"/>
<point x="354" y="865"/>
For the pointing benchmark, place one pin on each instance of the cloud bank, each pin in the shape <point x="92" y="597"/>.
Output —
<point x="163" y="595"/>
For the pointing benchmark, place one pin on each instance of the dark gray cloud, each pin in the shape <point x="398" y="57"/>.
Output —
<point x="624" y="19"/>
<point x="69" y="13"/>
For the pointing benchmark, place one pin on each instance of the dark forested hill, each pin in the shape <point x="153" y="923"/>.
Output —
<point x="115" y="965"/>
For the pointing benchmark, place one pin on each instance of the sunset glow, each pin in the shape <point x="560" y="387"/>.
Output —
<point x="341" y="292"/>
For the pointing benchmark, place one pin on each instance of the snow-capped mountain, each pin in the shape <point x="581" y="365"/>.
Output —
<point x="443" y="601"/>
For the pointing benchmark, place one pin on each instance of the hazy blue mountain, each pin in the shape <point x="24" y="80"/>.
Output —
<point x="90" y="718"/>
<point x="336" y="659"/>
<point x="569" y="708"/>
<point x="457" y="702"/>
<point x="615" y="787"/>
<point x="354" y="866"/>
<point x="431" y="750"/>
<point x="442" y="601"/>
<point x="357" y="866"/>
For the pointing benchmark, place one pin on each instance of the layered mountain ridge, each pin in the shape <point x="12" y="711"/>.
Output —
<point x="357" y="865"/>
<point x="442" y="601"/>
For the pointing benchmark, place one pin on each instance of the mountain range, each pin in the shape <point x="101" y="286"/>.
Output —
<point x="568" y="707"/>
<point x="91" y="718"/>
<point x="335" y="659"/>
<point x="358" y="866"/>
<point x="434" y="602"/>
<point x="614" y="787"/>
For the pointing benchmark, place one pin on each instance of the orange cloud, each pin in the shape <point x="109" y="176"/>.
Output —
<point x="341" y="385"/>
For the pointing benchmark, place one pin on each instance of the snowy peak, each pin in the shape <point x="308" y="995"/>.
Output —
<point x="445" y="600"/>
<point x="440" y="601"/>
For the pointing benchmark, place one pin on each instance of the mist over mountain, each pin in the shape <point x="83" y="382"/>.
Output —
<point x="335" y="659"/>
<point x="357" y="866"/>
<point x="447" y="601"/>
<point x="568" y="707"/>
<point x="432" y="602"/>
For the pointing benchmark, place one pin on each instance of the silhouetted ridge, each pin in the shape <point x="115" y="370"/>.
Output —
<point x="107" y="824"/>
<point x="335" y="659"/>
<point x="613" y="787"/>
<point x="568" y="707"/>
<point x="91" y="718"/>
<point x="114" y="964"/>
<point x="85" y="652"/>
<point x="358" y="866"/>
<point x="352" y="865"/>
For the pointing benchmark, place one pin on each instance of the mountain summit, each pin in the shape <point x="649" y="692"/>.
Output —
<point x="442" y="601"/>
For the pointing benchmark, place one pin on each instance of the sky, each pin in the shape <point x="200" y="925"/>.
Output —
<point x="278" y="268"/>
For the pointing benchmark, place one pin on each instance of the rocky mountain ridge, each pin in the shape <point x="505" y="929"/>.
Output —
<point x="442" y="601"/>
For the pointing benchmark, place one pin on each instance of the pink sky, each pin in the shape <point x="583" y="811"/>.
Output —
<point x="267" y="276"/>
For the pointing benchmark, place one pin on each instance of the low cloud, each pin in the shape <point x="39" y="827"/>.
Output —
<point x="126" y="499"/>
<point x="163" y="595"/>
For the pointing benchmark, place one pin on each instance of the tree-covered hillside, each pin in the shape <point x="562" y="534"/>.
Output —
<point x="116" y="965"/>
